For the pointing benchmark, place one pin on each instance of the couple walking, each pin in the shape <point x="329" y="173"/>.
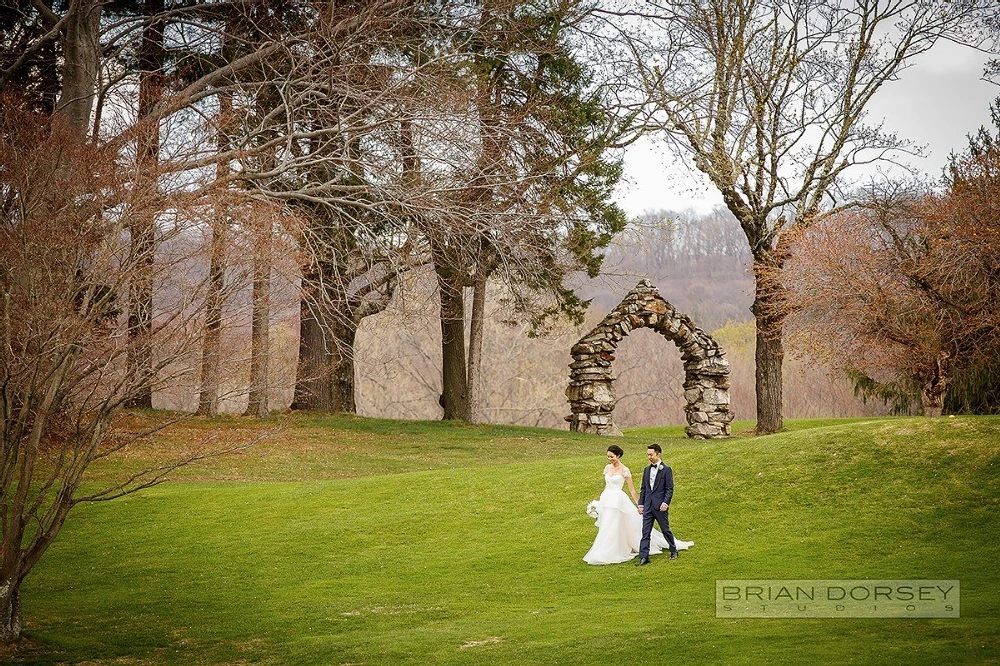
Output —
<point x="623" y="530"/>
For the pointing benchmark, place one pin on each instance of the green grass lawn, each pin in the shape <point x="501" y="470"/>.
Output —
<point x="346" y="540"/>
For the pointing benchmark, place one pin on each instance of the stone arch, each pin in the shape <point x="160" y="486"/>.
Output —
<point x="591" y="390"/>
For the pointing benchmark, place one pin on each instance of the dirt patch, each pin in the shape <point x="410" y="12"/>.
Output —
<point x="492" y="640"/>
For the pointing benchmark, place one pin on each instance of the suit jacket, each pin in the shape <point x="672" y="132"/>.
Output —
<point x="661" y="493"/>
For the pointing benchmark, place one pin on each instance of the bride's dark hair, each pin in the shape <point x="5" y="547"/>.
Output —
<point x="617" y="450"/>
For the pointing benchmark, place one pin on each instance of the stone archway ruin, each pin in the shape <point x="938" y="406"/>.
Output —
<point x="706" y="370"/>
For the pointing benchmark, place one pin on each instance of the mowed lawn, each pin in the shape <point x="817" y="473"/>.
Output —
<point x="361" y="541"/>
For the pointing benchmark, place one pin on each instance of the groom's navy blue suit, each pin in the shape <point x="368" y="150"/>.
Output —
<point x="650" y="499"/>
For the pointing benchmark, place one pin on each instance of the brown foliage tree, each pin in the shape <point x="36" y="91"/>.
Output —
<point x="905" y="290"/>
<point x="66" y="264"/>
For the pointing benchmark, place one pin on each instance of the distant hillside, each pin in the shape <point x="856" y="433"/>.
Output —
<point x="701" y="265"/>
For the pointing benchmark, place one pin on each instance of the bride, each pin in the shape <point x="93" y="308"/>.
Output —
<point x="619" y="525"/>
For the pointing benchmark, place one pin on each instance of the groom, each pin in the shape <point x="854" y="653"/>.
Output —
<point x="654" y="501"/>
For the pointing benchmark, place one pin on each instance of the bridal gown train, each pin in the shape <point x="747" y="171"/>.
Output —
<point x="619" y="527"/>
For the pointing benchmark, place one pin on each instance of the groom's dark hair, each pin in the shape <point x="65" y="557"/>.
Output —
<point x="655" y="447"/>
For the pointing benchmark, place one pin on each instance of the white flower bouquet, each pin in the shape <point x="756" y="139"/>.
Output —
<point x="592" y="509"/>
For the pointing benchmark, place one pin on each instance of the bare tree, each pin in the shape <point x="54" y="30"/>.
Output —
<point x="345" y="280"/>
<point x="270" y="68"/>
<point x="768" y="99"/>
<point x="356" y="231"/>
<point x="65" y="371"/>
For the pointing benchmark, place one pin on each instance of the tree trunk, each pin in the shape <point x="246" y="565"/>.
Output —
<point x="140" y="316"/>
<point x="933" y="390"/>
<point x="341" y="365"/>
<point x="208" y="396"/>
<point x="932" y="400"/>
<point x="476" y="351"/>
<point x="81" y="58"/>
<point x="11" y="621"/>
<point x="143" y="227"/>
<point x="325" y="380"/>
<point x="454" y="385"/>
<point x="260" y="323"/>
<point x="768" y="355"/>
<point x="311" y="389"/>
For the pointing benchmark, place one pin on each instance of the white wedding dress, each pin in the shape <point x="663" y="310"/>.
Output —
<point x="619" y="525"/>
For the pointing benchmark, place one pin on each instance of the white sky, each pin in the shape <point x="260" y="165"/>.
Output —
<point x="936" y="102"/>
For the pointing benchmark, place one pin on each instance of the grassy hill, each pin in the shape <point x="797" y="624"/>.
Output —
<point x="360" y="541"/>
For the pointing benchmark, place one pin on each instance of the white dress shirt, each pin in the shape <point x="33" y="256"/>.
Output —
<point x="652" y="475"/>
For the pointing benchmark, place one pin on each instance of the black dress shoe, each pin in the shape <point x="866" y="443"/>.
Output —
<point x="673" y="555"/>
<point x="642" y="561"/>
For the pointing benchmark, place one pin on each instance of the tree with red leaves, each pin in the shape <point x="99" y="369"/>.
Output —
<point x="903" y="291"/>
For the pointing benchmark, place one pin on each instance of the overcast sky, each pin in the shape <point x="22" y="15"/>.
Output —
<point x="937" y="102"/>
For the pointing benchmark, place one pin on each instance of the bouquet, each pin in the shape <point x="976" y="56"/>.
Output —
<point x="592" y="509"/>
